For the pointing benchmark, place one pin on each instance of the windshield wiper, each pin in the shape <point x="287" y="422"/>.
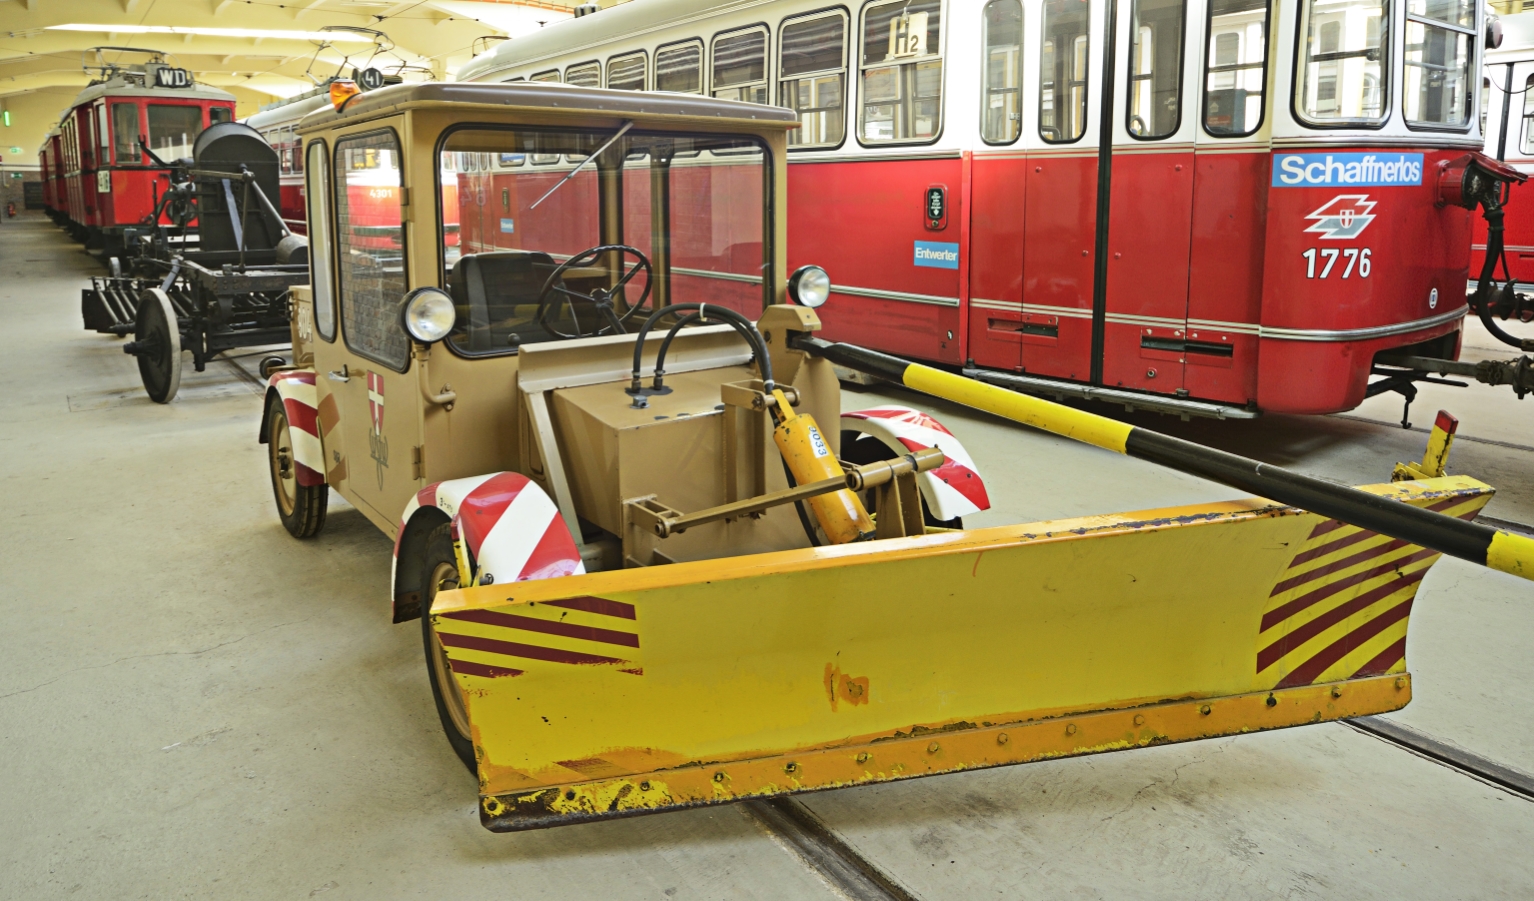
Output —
<point x="626" y="126"/>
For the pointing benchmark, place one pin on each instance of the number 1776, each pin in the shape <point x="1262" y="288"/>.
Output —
<point x="1352" y="257"/>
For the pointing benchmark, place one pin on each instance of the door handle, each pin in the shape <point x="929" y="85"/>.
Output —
<point x="341" y="375"/>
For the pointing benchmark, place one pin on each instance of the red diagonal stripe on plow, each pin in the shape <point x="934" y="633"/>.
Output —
<point x="1360" y="535"/>
<point x="1306" y="673"/>
<point x="1276" y="651"/>
<point x="517" y="649"/>
<point x="530" y="624"/>
<point x="1279" y="614"/>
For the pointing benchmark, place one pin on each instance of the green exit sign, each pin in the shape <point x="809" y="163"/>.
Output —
<point x="15" y="150"/>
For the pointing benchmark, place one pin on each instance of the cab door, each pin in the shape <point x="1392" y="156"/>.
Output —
<point x="369" y="402"/>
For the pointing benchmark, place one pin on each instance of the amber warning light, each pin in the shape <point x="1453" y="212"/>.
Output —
<point x="341" y="91"/>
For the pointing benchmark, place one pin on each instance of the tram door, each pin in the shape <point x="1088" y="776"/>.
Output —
<point x="1151" y="209"/>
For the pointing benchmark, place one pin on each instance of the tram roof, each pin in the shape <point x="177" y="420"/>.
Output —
<point x="631" y="20"/>
<point x="555" y="97"/>
<point x="121" y="86"/>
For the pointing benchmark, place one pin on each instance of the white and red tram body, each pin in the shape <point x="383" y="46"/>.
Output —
<point x="1270" y="219"/>
<point x="276" y="122"/>
<point x="1507" y="96"/>
<point x="109" y="183"/>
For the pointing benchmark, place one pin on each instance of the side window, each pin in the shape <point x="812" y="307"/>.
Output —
<point x="125" y="132"/>
<point x="1236" y="68"/>
<point x="551" y="75"/>
<point x="902" y="69"/>
<point x="1438" y="52"/>
<point x="1526" y="141"/>
<point x="219" y="114"/>
<point x="585" y="75"/>
<point x="626" y="73"/>
<point x="1155" y="67"/>
<point x="812" y="74"/>
<point x="103" y="136"/>
<point x="1063" y="72"/>
<point x="370" y="247"/>
<point x="319" y="240"/>
<point x="679" y="68"/>
<point x="1001" y="115"/>
<point x="740" y="66"/>
<point x="1344" y="61"/>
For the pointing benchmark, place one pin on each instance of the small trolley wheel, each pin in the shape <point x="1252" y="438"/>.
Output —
<point x="440" y="565"/>
<point x="157" y="344"/>
<point x="270" y="365"/>
<point x="301" y="507"/>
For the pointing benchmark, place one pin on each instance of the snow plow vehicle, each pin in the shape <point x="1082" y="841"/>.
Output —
<point x="654" y="563"/>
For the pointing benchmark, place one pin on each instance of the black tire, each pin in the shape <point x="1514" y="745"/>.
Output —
<point x="158" y="338"/>
<point x="301" y="507"/>
<point x="441" y="573"/>
<point x="861" y="449"/>
<point x="270" y="365"/>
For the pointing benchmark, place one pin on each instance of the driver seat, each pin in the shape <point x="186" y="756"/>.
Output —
<point x="490" y="286"/>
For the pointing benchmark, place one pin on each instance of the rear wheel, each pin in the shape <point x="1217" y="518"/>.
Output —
<point x="441" y="567"/>
<point x="157" y="344"/>
<point x="301" y="507"/>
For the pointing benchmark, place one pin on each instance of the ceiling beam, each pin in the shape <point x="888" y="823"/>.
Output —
<point x="130" y="5"/>
<point x="306" y="6"/>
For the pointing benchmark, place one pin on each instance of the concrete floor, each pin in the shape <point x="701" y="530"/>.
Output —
<point x="195" y="705"/>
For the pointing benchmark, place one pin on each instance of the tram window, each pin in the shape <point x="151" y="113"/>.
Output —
<point x="370" y="247"/>
<point x="585" y="75"/>
<point x="1155" y="75"/>
<point x="740" y="66"/>
<point x="902" y="68"/>
<point x="626" y="73"/>
<point x="319" y="241"/>
<point x="1001" y="112"/>
<point x="103" y="137"/>
<point x="812" y="73"/>
<point x="1526" y="140"/>
<point x="1437" y="73"/>
<point x="1063" y="71"/>
<point x="679" y="68"/>
<point x="1344" y="63"/>
<point x="125" y="132"/>
<point x="217" y="114"/>
<point x="551" y="75"/>
<point x="172" y="129"/>
<point x="1235" y="77"/>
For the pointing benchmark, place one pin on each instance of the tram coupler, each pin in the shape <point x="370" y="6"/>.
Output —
<point x="1517" y="373"/>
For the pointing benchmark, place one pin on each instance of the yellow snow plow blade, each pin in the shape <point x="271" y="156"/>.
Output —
<point x="640" y="690"/>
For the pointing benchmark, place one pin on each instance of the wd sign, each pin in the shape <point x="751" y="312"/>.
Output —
<point x="167" y="77"/>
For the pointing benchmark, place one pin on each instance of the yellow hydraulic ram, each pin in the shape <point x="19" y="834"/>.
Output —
<point x="1466" y="540"/>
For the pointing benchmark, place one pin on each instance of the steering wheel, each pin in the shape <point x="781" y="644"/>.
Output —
<point x="609" y="302"/>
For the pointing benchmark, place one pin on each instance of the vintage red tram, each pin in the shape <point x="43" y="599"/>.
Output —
<point x="52" y="176"/>
<point x="1203" y="206"/>
<point x="1507" y="119"/>
<point x="108" y="182"/>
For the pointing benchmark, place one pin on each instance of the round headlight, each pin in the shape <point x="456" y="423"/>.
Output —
<point x="429" y="314"/>
<point x="809" y="286"/>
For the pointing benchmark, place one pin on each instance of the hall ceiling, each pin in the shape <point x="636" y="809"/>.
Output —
<point x="42" y="41"/>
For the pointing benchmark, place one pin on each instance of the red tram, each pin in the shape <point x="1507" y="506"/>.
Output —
<point x="1507" y="119"/>
<point x="104" y="181"/>
<point x="1214" y="207"/>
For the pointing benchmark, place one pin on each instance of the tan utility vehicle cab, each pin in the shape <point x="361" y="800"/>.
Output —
<point x="550" y="349"/>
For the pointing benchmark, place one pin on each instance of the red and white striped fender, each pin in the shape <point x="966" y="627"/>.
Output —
<point x="300" y="400"/>
<point x="511" y="529"/>
<point x="953" y="489"/>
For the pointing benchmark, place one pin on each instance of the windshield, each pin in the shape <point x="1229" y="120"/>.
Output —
<point x="173" y="129"/>
<point x="691" y="207"/>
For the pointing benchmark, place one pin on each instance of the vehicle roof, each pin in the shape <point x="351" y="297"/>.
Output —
<point x="290" y="110"/>
<point x="121" y="86"/>
<point x="631" y="19"/>
<point x="560" y="98"/>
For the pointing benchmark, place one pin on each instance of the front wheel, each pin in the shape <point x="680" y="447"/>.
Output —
<point x="441" y="568"/>
<point x="157" y="345"/>
<point x="301" y="507"/>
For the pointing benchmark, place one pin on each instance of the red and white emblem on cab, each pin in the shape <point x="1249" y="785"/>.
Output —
<point x="378" y="445"/>
<point x="1342" y="218"/>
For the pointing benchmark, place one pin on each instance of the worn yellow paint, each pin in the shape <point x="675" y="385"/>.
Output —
<point x="1511" y="553"/>
<point x="953" y="632"/>
<point x="926" y="753"/>
<point x="1042" y="414"/>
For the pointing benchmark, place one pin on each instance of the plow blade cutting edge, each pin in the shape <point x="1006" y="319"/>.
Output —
<point x="639" y="690"/>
